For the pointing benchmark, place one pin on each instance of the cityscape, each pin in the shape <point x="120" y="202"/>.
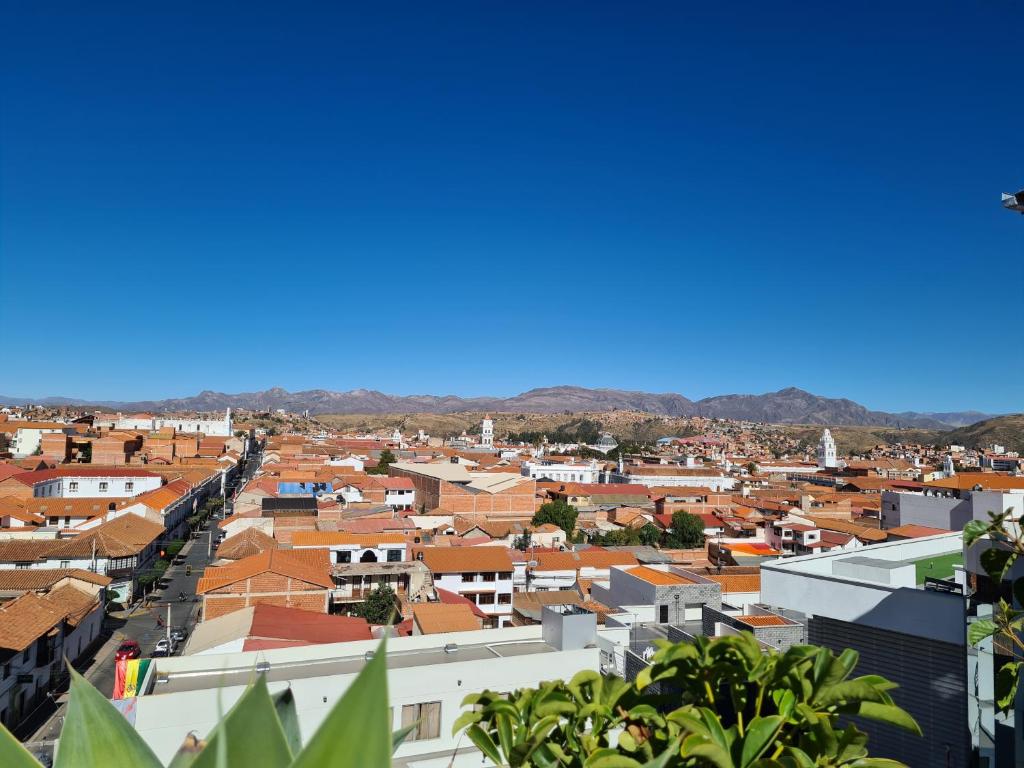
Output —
<point x="568" y="386"/>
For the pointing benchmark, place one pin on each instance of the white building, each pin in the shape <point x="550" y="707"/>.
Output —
<point x="428" y="677"/>
<point x="209" y="427"/>
<point x="487" y="432"/>
<point x="481" y="574"/>
<point x="354" y="547"/>
<point x="29" y="435"/>
<point x="91" y="482"/>
<point x="827" y="458"/>
<point x="562" y="472"/>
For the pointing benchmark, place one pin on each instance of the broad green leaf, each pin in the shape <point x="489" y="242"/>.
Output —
<point x="13" y="754"/>
<point x="981" y="629"/>
<point x="889" y="713"/>
<point x="359" y="718"/>
<point x="465" y="719"/>
<point x="974" y="530"/>
<point x="1006" y="682"/>
<point x="483" y="742"/>
<point x="250" y="733"/>
<point x="995" y="562"/>
<point x="284" y="705"/>
<point x="759" y="736"/>
<point x="711" y="753"/>
<point x="609" y="758"/>
<point x="876" y="762"/>
<point x="669" y="754"/>
<point x="96" y="734"/>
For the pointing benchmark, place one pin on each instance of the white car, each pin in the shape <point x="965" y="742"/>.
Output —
<point x="164" y="647"/>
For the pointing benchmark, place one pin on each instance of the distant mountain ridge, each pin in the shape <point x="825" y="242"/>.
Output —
<point x="787" y="406"/>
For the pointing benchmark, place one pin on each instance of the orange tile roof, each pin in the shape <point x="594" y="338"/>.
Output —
<point x="311" y="566"/>
<point x="912" y="531"/>
<point x="737" y="582"/>
<point x="992" y="481"/>
<point x="659" y="578"/>
<point x="33" y="579"/>
<point x="435" y="618"/>
<point x="249" y="542"/>
<point x="763" y="621"/>
<point x="329" y="538"/>
<point x="458" y="559"/>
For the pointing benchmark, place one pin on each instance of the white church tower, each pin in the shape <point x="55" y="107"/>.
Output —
<point x="827" y="451"/>
<point x="487" y="432"/>
<point x="947" y="466"/>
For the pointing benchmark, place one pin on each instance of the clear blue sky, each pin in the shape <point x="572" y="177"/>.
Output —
<point x="483" y="197"/>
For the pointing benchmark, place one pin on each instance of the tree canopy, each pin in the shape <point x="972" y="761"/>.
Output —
<point x="386" y="459"/>
<point x="559" y="513"/>
<point x="687" y="531"/>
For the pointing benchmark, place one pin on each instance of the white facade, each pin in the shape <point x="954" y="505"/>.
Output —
<point x="491" y="591"/>
<point x="27" y="440"/>
<point x="96" y="487"/>
<point x="425" y="682"/>
<point x="588" y="472"/>
<point x="209" y="427"/>
<point x="827" y="458"/>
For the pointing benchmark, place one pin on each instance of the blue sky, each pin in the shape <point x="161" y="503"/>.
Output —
<point x="481" y="198"/>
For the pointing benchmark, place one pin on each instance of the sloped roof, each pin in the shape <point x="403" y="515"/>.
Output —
<point x="29" y="617"/>
<point x="311" y="566"/>
<point x="250" y="541"/>
<point x="437" y="618"/>
<point x="32" y="579"/>
<point x="457" y="559"/>
<point x="123" y="536"/>
<point x="340" y="538"/>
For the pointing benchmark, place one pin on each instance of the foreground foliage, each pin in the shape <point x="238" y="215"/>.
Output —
<point x="1006" y="538"/>
<point x="722" y="703"/>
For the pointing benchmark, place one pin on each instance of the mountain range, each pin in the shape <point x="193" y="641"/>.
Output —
<point x="787" y="406"/>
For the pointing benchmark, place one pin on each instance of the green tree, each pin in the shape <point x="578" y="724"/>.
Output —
<point x="751" y="468"/>
<point x="522" y="543"/>
<point x="650" y="535"/>
<point x="85" y="455"/>
<point x="559" y="513"/>
<point x="379" y="606"/>
<point x="731" y="705"/>
<point x="386" y="459"/>
<point x="687" y="531"/>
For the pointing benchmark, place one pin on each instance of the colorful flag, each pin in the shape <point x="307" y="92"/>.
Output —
<point x="134" y="674"/>
<point x="119" y="671"/>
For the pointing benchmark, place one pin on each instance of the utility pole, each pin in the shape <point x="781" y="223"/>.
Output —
<point x="168" y="626"/>
<point x="209" y="544"/>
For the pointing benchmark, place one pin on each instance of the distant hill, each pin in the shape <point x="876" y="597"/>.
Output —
<point x="1005" y="430"/>
<point x="787" y="406"/>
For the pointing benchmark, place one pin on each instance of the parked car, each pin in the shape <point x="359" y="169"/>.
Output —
<point x="164" y="647"/>
<point x="178" y="635"/>
<point x="129" y="649"/>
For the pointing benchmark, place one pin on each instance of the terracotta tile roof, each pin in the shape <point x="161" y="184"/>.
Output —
<point x="763" y="621"/>
<point x="30" y="550"/>
<point x="58" y="507"/>
<point x="34" y="579"/>
<point x="81" y="470"/>
<point x="340" y="538"/>
<point x="123" y="536"/>
<point x="453" y="598"/>
<point x="458" y="559"/>
<point x="992" y="481"/>
<point x="9" y="470"/>
<point x="272" y="622"/>
<point x="911" y="531"/>
<point x="163" y="497"/>
<point x="25" y="619"/>
<point x="588" y="558"/>
<point x="659" y="578"/>
<point x="863" y="533"/>
<point x="736" y="582"/>
<point x="75" y="604"/>
<point x="436" y="618"/>
<point x="310" y="566"/>
<point x="249" y="542"/>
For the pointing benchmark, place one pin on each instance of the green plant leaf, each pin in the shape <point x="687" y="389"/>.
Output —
<point x="249" y="734"/>
<point x="284" y="705"/>
<point x="995" y="562"/>
<point x="397" y="737"/>
<point x="669" y="754"/>
<point x="974" y="530"/>
<point x="759" y="736"/>
<point x="95" y="733"/>
<point x="711" y="753"/>
<point x="889" y="713"/>
<point x="981" y="629"/>
<point x="1006" y="682"/>
<point x="877" y="762"/>
<point x="187" y="752"/>
<point x="13" y="754"/>
<point x="609" y="758"/>
<point x="484" y="743"/>
<point x="359" y="718"/>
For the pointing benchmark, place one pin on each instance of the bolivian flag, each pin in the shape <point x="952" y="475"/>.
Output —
<point x="128" y="674"/>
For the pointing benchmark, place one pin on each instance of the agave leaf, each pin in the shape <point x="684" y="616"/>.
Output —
<point x="284" y="705"/>
<point x="95" y="733"/>
<point x="187" y="752"/>
<point x="397" y="737"/>
<point x="250" y="733"/>
<point x="360" y="717"/>
<point x="13" y="754"/>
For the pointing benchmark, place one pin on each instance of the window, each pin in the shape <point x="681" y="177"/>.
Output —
<point x="426" y="717"/>
<point x="468" y="577"/>
<point x="65" y="563"/>
<point x="343" y="556"/>
<point x="67" y="521"/>
<point x="489" y="576"/>
<point x="485" y="598"/>
<point x="129" y="485"/>
<point x="505" y="575"/>
<point x="663" y="614"/>
<point x="24" y="656"/>
<point x="504" y="599"/>
<point x="73" y="485"/>
<point x="103" y="487"/>
<point x="394" y="555"/>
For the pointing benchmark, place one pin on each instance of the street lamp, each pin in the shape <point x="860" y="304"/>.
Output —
<point x="1014" y="202"/>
